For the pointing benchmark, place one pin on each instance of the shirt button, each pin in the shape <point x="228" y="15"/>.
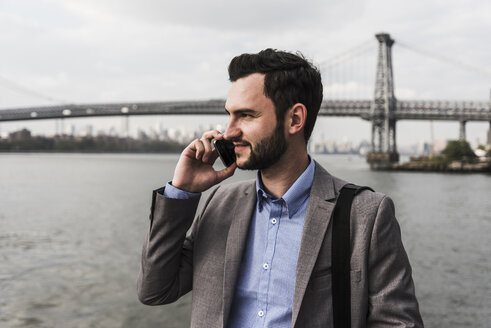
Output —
<point x="265" y="266"/>
<point x="260" y="313"/>
<point x="274" y="220"/>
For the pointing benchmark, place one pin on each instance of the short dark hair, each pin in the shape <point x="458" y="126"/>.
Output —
<point x="289" y="79"/>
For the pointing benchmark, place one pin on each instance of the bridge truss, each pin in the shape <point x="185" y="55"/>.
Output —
<point x="404" y="110"/>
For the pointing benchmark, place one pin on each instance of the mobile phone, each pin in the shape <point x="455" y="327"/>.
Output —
<point x="225" y="149"/>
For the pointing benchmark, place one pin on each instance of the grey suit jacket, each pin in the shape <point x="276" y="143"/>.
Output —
<point x="207" y="259"/>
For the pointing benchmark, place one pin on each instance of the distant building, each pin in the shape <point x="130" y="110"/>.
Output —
<point x="439" y="145"/>
<point x="71" y="130"/>
<point x="20" y="135"/>
<point x="423" y="148"/>
<point x="89" y="130"/>
<point x="141" y="135"/>
<point x="113" y="132"/>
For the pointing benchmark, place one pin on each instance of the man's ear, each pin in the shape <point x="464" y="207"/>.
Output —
<point x="296" y="118"/>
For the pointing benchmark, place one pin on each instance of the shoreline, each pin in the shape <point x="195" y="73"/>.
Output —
<point x="452" y="167"/>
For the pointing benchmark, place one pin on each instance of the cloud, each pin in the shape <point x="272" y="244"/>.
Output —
<point x="148" y="50"/>
<point x="222" y="14"/>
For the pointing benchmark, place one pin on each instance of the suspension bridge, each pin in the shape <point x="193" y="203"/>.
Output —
<point x="383" y="110"/>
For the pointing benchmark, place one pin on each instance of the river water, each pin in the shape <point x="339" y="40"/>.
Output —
<point x="72" y="226"/>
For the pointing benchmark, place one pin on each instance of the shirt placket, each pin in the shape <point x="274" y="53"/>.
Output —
<point x="267" y="270"/>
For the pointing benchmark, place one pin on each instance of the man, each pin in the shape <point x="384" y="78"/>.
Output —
<point x="259" y="253"/>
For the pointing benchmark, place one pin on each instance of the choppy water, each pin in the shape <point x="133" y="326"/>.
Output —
<point x="72" y="225"/>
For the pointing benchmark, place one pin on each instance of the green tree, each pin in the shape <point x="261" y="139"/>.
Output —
<point x="458" y="150"/>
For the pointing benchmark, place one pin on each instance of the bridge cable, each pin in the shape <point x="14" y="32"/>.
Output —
<point x="26" y="91"/>
<point x="341" y="69"/>
<point x="448" y="60"/>
<point x="347" y="55"/>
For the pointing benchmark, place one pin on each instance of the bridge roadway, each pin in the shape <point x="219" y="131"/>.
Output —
<point x="405" y="110"/>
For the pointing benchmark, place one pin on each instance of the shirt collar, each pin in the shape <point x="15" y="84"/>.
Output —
<point x="295" y="195"/>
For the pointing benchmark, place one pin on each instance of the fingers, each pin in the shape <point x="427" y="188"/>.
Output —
<point x="203" y="149"/>
<point x="210" y="154"/>
<point x="207" y="145"/>
<point x="198" y="148"/>
<point x="226" y="172"/>
<point x="213" y="156"/>
<point x="214" y="134"/>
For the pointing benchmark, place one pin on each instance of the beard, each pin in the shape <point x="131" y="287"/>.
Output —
<point x="267" y="151"/>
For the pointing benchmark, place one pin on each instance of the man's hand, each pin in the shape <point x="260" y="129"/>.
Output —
<point x="194" y="171"/>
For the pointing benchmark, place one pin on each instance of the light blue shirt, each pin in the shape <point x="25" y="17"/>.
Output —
<point x="266" y="282"/>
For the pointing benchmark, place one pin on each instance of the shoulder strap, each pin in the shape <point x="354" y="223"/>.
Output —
<point x="341" y="288"/>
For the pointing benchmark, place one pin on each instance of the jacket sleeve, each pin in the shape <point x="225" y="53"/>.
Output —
<point x="392" y="300"/>
<point x="166" y="271"/>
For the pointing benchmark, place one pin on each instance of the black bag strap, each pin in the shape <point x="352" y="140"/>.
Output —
<point x="341" y="255"/>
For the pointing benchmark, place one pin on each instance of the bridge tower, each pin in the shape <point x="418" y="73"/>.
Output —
<point x="383" y="150"/>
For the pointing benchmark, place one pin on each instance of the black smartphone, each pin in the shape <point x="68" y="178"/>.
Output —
<point x="225" y="149"/>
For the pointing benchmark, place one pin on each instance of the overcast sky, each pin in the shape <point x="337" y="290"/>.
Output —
<point x="93" y="51"/>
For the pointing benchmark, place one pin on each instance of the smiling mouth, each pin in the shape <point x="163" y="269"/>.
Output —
<point x="240" y="146"/>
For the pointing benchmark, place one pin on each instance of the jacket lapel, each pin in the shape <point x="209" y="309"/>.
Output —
<point x="236" y="240"/>
<point x="317" y="218"/>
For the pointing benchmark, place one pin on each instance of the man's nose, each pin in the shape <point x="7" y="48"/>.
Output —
<point x="232" y="131"/>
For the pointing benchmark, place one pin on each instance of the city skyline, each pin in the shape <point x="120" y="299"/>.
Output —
<point x="185" y="134"/>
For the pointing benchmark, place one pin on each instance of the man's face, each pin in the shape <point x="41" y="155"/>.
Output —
<point x="259" y="139"/>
